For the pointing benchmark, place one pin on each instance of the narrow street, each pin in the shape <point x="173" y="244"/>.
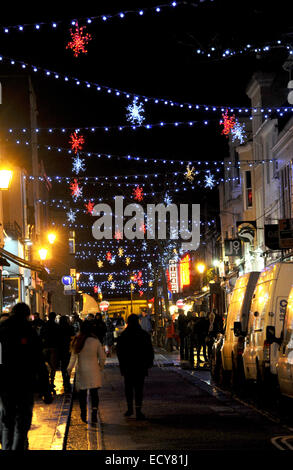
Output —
<point x="184" y="412"/>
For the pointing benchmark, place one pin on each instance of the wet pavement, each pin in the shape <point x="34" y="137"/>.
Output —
<point x="184" y="411"/>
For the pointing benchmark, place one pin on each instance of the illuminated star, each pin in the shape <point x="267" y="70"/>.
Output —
<point x="120" y="252"/>
<point x="238" y="132"/>
<point x="128" y="261"/>
<point x="89" y="207"/>
<point x="71" y="216"/>
<point x="76" y="142"/>
<point x="135" y="112"/>
<point x="189" y="175"/>
<point x="78" y="164"/>
<point x="100" y="263"/>
<point x="228" y="123"/>
<point x="76" y="191"/>
<point x="79" y="40"/>
<point x="209" y="181"/>
<point x="138" y="193"/>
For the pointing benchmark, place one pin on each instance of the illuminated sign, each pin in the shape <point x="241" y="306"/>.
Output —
<point x="185" y="271"/>
<point x="173" y="276"/>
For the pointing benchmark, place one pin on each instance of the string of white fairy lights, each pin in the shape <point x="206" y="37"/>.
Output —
<point x="130" y="95"/>
<point x="104" y="18"/>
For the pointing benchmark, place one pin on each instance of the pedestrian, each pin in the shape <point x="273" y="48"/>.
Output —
<point x="22" y="372"/>
<point x="3" y="317"/>
<point x="182" y="328"/>
<point x="109" y="336"/>
<point x="192" y="320"/>
<point x="50" y="336"/>
<point x="37" y="323"/>
<point x="76" y="323"/>
<point x="100" y="327"/>
<point x="170" y="334"/>
<point x="201" y="331"/>
<point x="88" y="353"/>
<point x="135" y="355"/>
<point x="66" y="335"/>
<point x="145" y="322"/>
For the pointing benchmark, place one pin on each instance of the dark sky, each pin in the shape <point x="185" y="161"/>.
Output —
<point x="153" y="55"/>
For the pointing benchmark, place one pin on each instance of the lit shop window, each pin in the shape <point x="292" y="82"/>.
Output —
<point x="248" y="189"/>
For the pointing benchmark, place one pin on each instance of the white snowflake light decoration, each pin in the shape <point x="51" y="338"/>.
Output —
<point x="209" y="181"/>
<point x="135" y="112"/>
<point x="91" y="277"/>
<point x="167" y="199"/>
<point x="78" y="164"/>
<point x="71" y="216"/>
<point x="189" y="175"/>
<point x="112" y="260"/>
<point x="238" y="132"/>
<point x="112" y="285"/>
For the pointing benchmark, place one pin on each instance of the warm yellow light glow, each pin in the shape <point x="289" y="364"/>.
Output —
<point x="43" y="253"/>
<point x="5" y="179"/>
<point x="77" y="276"/>
<point x="185" y="271"/>
<point x="51" y="237"/>
<point x="201" y="267"/>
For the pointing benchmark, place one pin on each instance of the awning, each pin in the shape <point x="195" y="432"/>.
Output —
<point x="21" y="262"/>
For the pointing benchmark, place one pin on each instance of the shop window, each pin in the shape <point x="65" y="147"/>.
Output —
<point x="248" y="189"/>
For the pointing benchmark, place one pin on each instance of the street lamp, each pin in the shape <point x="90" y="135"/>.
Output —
<point x="43" y="253"/>
<point x="51" y="237"/>
<point x="201" y="267"/>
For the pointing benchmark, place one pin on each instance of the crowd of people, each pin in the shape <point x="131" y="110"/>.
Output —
<point x="33" y="349"/>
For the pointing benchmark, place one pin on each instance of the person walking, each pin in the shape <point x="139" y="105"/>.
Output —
<point x="109" y="336"/>
<point x="170" y="334"/>
<point x="50" y="336"/>
<point x="66" y="335"/>
<point x="100" y="327"/>
<point x="37" y="322"/>
<point x="145" y="322"/>
<point x="201" y="331"/>
<point x="87" y="353"/>
<point x="22" y="372"/>
<point x="182" y="329"/>
<point x="135" y="355"/>
<point x="192" y="318"/>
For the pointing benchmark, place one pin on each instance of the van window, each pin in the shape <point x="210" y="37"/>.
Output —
<point x="288" y="324"/>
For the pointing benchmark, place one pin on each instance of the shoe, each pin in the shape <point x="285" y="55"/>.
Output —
<point x="83" y="416"/>
<point x="128" y="412"/>
<point x="94" y="415"/>
<point x="140" y="416"/>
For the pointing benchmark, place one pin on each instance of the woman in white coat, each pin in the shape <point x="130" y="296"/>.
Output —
<point x="88" y="355"/>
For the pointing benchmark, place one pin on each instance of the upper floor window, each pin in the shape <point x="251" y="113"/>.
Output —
<point x="248" y="189"/>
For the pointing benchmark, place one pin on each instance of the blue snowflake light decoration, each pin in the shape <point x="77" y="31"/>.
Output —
<point x="78" y="165"/>
<point x="209" y="181"/>
<point x="238" y="132"/>
<point x="112" y="260"/>
<point x="167" y="199"/>
<point x="71" y="216"/>
<point x="135" y="112"/>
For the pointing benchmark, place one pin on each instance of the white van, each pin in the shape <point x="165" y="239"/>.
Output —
<point x="267" y="310"/>
<point x="236" y="325"/>
<point x="285" y="362"/>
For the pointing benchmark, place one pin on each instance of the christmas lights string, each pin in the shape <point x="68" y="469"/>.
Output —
<point x="227" y="53"/>
<point x="130" y="95"/>
<point x="104" y="18"/>
<point x="142" y="159"/>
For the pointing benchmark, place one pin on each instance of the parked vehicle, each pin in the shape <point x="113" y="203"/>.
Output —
<point x="285" y="342"/>
<point x="267" y="310"/>
<point x="236" y="327"/>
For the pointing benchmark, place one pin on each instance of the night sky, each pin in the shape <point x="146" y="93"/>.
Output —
<point x="153" y="55"/>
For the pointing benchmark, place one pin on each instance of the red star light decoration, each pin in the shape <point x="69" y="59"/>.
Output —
<point x="140" y="293"/>
<point x="76" y="191"/>
<point x="138" y="193"/>
<point x="76" y="142"/>
<point x="118" y="235"/>
<point x="228" y="123"/>
<point x="79" y="40"/>
<point x="90" y="207"/>
<point x="108" y="256"/>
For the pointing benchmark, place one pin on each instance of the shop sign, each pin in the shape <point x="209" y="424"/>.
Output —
<point x="185" y="271"/>
<point x="233" y="247"/>
<point x="286" y="233"/>
<point x="173" y="276"/>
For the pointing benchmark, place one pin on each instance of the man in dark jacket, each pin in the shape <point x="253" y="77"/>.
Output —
<point x="51" y="337"/>
<point x="182" y="329"/>
<point x="22" y="371"/>
<point x="135" y="354"/>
